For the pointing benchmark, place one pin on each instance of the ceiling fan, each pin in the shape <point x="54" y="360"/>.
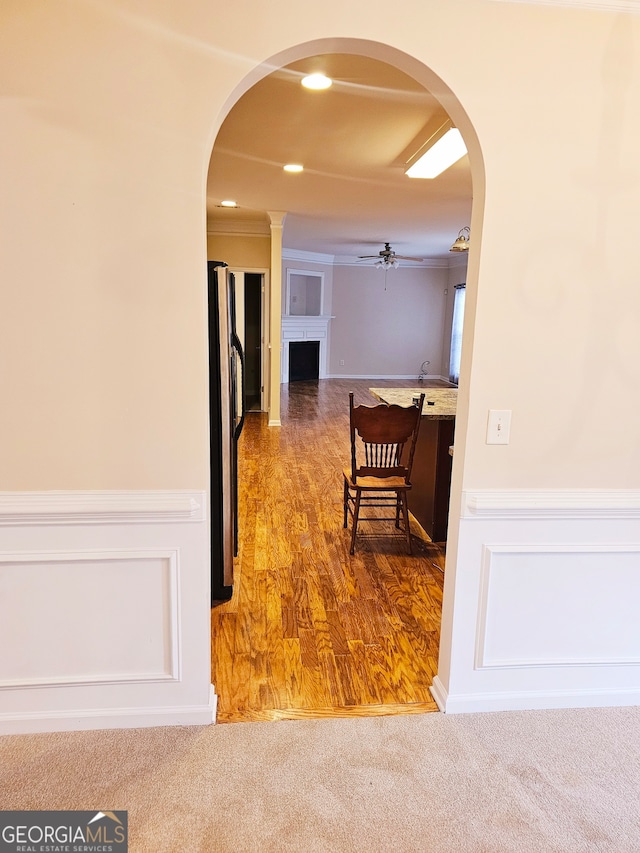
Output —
<point x="387" y="258"/>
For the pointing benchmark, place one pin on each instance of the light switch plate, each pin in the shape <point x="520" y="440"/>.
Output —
<point x="498" y="426"/>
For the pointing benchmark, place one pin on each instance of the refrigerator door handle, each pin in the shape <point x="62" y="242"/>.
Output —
<point x="235" y="343"/>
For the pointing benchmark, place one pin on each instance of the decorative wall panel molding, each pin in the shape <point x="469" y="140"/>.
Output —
<point x="117" y="621"/>
<point x="543" y="606"/>
<point x="545" y="586"/>
<point x="104" y="507"/>
<point x="104" y="610"/>
<point x="584" y="503"/>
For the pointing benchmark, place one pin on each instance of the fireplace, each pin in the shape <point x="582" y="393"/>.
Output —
<point x="313" y="333"/>
<point x="304" y="360"/>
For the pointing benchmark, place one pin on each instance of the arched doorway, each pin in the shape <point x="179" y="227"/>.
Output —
<point x="290" y="64"/>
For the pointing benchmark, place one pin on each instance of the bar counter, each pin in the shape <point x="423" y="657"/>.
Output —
<point x="444" y="400"/>
<point x="431" y="475"/>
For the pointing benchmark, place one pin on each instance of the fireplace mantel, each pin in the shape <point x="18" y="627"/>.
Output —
<point x="303" y="328"/>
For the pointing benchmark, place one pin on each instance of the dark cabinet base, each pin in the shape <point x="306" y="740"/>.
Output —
<point x="431" y="477"/>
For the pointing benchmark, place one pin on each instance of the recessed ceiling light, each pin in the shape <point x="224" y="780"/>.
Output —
<point x="316" y="81"/>
<point x="293" y="167"/>
<point x="228" y="203"/>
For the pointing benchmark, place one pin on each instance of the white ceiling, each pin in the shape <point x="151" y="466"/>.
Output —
<point x="354" y="140"/>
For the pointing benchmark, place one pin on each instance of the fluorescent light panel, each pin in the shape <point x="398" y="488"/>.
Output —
<point x="444" y="153"/>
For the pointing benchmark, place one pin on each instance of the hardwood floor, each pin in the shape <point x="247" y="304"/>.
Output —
<point x="311" y="631"/>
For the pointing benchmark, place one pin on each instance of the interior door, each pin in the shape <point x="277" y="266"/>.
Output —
<point x="253" y="288"/>
<point x="251" y="314"/>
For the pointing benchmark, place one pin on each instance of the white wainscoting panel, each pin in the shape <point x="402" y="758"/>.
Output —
<point x="545" y="606"/>
<point x="118" y="620"/>
<point x="540" y="608"/>
<point x="104" y="610"/>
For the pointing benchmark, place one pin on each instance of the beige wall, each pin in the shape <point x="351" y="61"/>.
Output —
<point x="387" y="326"/>
<point x="252" y="252"/>
<point x="109" y="115"/>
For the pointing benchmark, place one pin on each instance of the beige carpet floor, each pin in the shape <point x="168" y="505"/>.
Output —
<point x="536" y="781"/>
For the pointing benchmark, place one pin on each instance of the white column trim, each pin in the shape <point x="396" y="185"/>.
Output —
<point x="276" y="218"/>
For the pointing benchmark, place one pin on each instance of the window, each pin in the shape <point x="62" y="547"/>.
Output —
<point x="456" y="333"/>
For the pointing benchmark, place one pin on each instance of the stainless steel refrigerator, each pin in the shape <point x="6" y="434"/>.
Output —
<point x="226" y="419"/>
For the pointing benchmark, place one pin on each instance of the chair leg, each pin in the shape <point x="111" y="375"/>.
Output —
<point x="345" y="504"/>
<point x="405" y="511"/>
<point x="356" y="513"/>
<point x="398" y="505"/>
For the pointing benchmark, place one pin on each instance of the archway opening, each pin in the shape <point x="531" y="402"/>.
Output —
<point x="417" y="98"/>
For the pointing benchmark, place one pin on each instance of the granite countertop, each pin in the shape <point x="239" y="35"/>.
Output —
<point x="444" y="399"/>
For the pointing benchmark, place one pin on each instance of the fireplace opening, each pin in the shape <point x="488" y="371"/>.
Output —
<point x="304" y="360"/>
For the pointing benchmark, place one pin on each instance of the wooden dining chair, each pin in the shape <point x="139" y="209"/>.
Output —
<point x="383" y="443"/>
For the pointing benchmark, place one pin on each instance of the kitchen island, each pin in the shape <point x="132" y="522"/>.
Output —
<point x="431" y="475"/>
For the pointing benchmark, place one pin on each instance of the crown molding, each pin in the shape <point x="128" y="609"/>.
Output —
<point x="310" y="257"/>
<point x="257" y="228"/>
<point x="626" y="6"/>
<point x="458" y="259"/>
<point x="244" y="227"/>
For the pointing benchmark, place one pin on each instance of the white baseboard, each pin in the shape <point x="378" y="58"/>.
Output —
<point x="109" y="718"/>
<point x="530" y="700"/>
<point x="439" y="694"/>
<point x="388" y="376"/>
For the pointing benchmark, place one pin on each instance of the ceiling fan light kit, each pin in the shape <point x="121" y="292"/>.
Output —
<point x="387" y="259"/>
<point x="387" y="264"/>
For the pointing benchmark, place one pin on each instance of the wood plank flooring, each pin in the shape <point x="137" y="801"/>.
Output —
<point x="310" y="630"/>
